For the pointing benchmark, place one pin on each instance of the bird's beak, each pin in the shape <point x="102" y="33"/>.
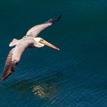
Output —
<point x="49" y="44"/>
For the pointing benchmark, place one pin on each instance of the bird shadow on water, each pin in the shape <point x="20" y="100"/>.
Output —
<point x="44" y="86"/>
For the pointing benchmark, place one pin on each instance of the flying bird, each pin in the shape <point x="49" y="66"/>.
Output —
<point x="31" y="39"/>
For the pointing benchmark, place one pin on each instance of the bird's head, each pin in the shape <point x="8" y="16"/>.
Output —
<point x="40" y="42"/>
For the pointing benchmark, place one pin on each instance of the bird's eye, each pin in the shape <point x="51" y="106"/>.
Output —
<point x="41" y="40"/>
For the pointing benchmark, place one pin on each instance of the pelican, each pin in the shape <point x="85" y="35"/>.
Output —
<point x="31" y="39"/>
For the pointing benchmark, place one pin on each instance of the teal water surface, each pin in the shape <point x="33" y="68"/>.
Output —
<point x="76" y="76"/>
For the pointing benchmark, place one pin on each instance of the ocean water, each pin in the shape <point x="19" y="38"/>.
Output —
<point x="76" y="76"/>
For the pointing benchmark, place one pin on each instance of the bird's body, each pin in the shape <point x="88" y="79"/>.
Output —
<point x="21" y="46"/>
<point x="29" y="40"/>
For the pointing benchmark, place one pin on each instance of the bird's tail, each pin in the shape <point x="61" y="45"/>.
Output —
<point x="55" y="19"/>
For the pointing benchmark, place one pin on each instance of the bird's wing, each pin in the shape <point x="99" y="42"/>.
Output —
<point x="35" y="30"/>
<point x="9" y="66"/>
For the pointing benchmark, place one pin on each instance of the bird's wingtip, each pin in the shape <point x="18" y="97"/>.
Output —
<point x="55" y="19"/>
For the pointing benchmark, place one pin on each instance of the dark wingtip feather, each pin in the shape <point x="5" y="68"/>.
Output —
<point x="55" y="19"/>
<point x="8" y="71"/>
